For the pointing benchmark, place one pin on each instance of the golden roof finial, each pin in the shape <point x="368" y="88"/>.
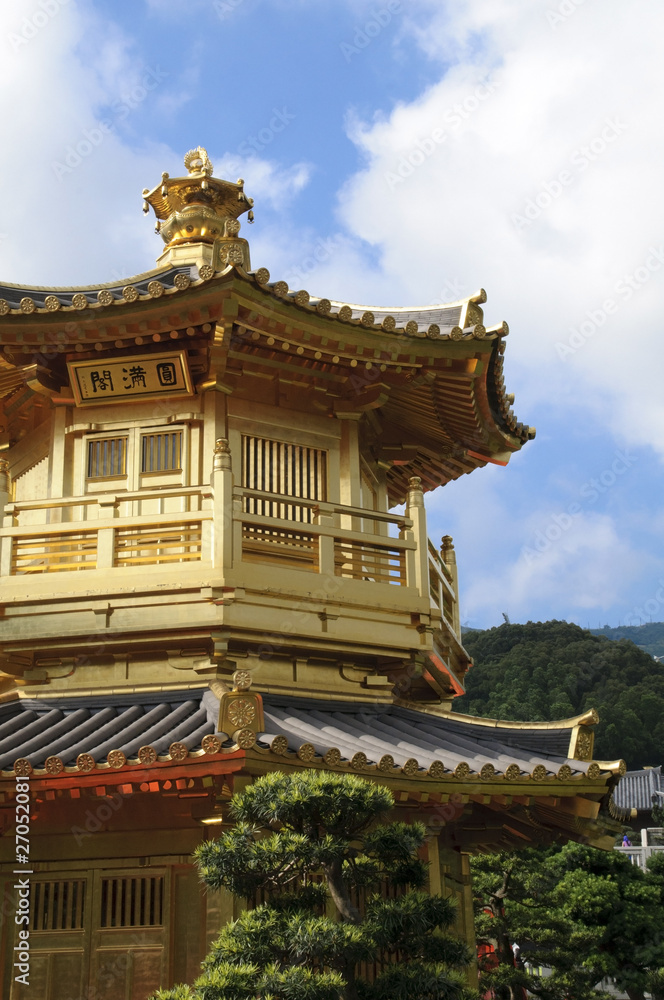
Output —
<point x="197" y="161"/>
<point x="201" y="209"/>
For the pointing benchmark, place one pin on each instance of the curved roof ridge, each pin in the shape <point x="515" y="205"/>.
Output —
<point x="477" y="297"/>
<point x="118" y="283"/>
<point x="589" y="718"/>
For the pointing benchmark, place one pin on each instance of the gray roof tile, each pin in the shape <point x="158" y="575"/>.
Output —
<point x="636" y="789"/>
<point x="68" y="726"/>
<point x="404" y="733"/>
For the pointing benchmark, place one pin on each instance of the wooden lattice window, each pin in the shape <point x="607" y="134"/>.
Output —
<point x="161" y="452"/>
<point x="107" y="457"/>
<point x="291" y="470"/>
<point x="132" y="902"/>
<point x="57" y="906"/>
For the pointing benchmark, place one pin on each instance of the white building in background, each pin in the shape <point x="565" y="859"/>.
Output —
<point x="652" y="841"/>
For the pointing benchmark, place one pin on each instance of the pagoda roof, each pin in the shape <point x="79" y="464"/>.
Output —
<point x="637" y="789"/>
<point x="21" y="300"/>
<point x="38" y="729"/>
<point x="495" y="784"/>
<point x="454" y="742"/>
<point x="428" y="379"/>
<point x="431" y="376"/>
<point x="434" y="745"/>
<point x="49" y="299"/>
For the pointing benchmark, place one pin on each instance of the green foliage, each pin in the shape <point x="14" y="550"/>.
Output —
<point x="583" y="913"/>
<point x="416" y="980"/>
<point x="308" y="845"/>
<point x="309" y="801"/>
<point x="648" y="637"/>
<point x="247" y="982"/>
<point x="655" y="984"/>
<point x="544" y="671"/>
<point x="177" y="993"/>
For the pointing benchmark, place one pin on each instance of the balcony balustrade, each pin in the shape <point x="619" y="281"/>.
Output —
<point x="223" y="527"/>
<point x="652" y="842"/>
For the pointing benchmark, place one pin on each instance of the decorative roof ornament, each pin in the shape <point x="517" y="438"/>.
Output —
<point x="200" y="211"/>
<point x="198" y="161"/>
<point x="241" y="709"/>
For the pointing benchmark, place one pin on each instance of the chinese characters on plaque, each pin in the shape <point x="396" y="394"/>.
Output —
<point x="132" y="378"/>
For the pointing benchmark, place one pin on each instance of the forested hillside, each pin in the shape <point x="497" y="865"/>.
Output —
<point x="543" y="671"/>
<point x="649" y="637"/>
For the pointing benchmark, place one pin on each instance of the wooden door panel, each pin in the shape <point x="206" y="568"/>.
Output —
<point x="54" y="975"/>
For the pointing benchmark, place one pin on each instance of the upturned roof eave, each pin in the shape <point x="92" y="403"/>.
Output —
<point x="276" y="291"/>
<point x="164" y="294"/>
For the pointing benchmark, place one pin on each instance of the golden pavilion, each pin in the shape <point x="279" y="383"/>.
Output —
<point x="202" y="579"/>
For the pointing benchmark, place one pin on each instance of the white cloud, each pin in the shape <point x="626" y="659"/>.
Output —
<point x="569" y="541"/>
<point x="572" y="563"/>
<point x="265" y="181"/>
<point x="556" y="123"/>
<point x="76" y="175"/>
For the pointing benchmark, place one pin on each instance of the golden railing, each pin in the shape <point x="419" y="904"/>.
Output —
<point x="156" y="543"/>
<point x="324" y="537"/>
<point x="54" y="553"/>
<point x="73" y="541"/>
<point x="223" y="526"/>
<point x="442" y="586"/>
<point x="124" y="542"/>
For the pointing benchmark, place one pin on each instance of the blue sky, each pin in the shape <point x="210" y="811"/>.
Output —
<point x="400" y="153"/>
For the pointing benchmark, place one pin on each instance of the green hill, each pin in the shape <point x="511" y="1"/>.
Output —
<point x="649" y="637"/>
<point x="543" y="671"/>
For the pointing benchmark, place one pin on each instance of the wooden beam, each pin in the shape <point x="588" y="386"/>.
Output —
<point x="518" y="833"/>
<point x="579" y="806"/>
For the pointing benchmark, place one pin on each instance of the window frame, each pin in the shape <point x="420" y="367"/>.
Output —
<point x="144" y="435"/>
<point x="91" y="441"/>
<point x="134" y="478"/>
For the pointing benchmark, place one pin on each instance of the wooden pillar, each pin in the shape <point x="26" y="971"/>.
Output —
<point x="5" y="486"/>
<point x="449" y="558"/>
<point x="57" y="461"/>
<point x="416" y="512"/>
<point x="324" y="516"/>
<point x="469" y="919"/>
<point x="5" y="496"/>
<point x="222" y="506"/>
<point x="453" y="877"/>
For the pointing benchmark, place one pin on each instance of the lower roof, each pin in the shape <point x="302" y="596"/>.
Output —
<point x="640" y="789"/>
<point x="406" y="735"/>
<point x="71" y="729"/>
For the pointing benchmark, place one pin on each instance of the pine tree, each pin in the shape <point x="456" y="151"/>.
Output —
<point x="582" y="913"/>
<point x="305" y="847"/>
